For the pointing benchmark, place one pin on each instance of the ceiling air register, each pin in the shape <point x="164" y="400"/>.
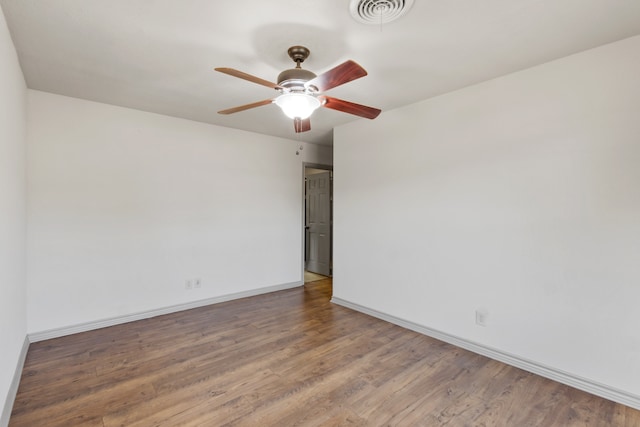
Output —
<point x="378" y="11"/>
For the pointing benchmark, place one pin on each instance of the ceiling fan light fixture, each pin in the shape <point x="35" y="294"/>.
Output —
<point x="300" y="105"/>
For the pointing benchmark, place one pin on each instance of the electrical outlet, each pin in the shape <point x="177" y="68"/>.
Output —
<point x="197" y="283"/>
<point x="188" y="285"/>
<point x="482" y="316"/>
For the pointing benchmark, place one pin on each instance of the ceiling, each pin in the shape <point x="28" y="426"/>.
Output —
<point x="159" y="55"/>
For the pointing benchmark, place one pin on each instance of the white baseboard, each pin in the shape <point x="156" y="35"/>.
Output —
<point x="89" y="326"/>
<point x="580" y="383"/>
<point x="15" y="383"/>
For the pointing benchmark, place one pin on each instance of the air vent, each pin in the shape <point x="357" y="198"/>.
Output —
<point x="378" y="11"/>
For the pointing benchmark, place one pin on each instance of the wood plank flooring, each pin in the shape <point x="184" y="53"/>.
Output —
<point x="288" y="358"/>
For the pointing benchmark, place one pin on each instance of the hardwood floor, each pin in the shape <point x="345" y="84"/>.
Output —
<point x="288" y="358"/>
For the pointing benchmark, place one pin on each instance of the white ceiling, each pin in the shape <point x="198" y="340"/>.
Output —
<point x="159" y="55"/>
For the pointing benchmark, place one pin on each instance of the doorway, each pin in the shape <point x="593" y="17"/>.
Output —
<point x="318" y="221"/>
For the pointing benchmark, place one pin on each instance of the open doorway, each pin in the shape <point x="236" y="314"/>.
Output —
<point x="318" y="222"/>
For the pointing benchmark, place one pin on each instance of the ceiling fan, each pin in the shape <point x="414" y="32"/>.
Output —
<point x="301" y="90"/>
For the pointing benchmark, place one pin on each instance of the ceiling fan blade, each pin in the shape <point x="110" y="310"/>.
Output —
<point x="350" y="107"/>
<point x="302" y="125"/>
<point x="343" y="73"/>
<point x="246" y="107"/>
<point x="249" y="77"/>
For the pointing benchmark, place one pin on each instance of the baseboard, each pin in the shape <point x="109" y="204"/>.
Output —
<point x="560" y="376"/>
<point x="15" y="383"/>
<point x="103" y="323"/>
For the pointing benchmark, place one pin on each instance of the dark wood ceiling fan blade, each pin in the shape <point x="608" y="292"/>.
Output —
<point x="246" y="107"/>
<point x="351" y="107"/>
<point x="343" y="73"/>
<point x="301" y="125"/>
<point x="249" y="77"/>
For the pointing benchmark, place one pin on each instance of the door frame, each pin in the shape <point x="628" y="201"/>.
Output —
<point x="306" y="165"/>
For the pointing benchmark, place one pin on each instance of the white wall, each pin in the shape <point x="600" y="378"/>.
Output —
<point x="519" y="196"/>
<point x="317" y="154"/>
<point x="125" y="206"/>
<point x="13" y="318"/>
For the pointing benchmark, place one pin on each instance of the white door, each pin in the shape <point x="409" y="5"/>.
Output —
<point x="318" y="223"/>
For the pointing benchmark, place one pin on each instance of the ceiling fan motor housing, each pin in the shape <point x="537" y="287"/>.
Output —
<point x="295" y="78"/>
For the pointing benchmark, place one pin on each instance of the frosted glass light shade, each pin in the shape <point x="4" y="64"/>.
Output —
<point x="297" y="104"/>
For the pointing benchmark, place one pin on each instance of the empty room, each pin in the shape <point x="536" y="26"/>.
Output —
<point x="320" y="213"/>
